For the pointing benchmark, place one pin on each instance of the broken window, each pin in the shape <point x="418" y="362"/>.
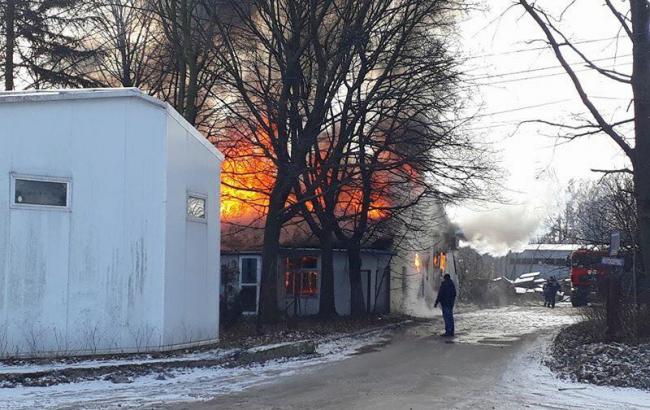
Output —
<point x="195" y="207"/>
<point x="301" y="276"/>
<point x="440" y="261"/>
<point x="40" y="192"/>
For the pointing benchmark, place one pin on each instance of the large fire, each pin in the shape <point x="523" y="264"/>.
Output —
<point x="245" y="182"/>
<point x="248" y="175"/>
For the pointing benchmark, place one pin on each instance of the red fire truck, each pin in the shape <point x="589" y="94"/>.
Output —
<point x="586" y="271"/>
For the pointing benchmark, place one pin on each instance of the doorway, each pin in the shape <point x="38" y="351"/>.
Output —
<point x="249" y="283"/>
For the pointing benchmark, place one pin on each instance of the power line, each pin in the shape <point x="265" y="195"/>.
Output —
<point x="543" y="68"/>
<point x="490" y="114"/>
<point x="525" y="50"/>
<point x="527" y="107"/>
<point x="542" y="76"/>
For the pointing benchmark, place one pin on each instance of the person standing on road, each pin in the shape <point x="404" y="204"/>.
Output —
<point x="553" y="288"/>
<point x="545" y="292"/>
<point x="446" y="298"/>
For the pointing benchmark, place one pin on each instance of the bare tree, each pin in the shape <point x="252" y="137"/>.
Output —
<point x="390" y="141"/>
<point x="609" y="205"/>
<point x="632" y="18"/>
<point x="592" y="210"/>
<point x="365" y="147"/>
<point x="187" y="60"/>
<point x="341" y="97"/>
<point x="125" y="35"/>
<point x="280" y="82"/>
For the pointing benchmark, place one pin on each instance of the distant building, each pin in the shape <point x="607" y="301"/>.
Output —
<point x="109" y="225"/>
<point x="547" y="259"/>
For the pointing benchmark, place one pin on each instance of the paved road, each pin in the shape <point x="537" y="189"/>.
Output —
<point x="410" y="372"/>
<point x="417" y="369"/>
<point x="494" y="363"/>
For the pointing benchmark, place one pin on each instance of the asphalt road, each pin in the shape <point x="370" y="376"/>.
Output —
<point x="490" y="366"/>
<point x="495" y="362"/>
<point x="417" y="369"/>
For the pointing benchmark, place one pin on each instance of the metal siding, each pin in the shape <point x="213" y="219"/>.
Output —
<point x="97" y="268"/>
<point x="192" y="269"/>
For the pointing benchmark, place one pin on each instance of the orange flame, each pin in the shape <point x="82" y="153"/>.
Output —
<point x="247" y="177"/>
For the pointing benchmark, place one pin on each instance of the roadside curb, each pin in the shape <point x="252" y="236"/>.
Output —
<point x="123" y="373"/>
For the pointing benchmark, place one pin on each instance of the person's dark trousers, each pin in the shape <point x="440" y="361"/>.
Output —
<point x="552" y="301"/>
<point x="448" y="316"/>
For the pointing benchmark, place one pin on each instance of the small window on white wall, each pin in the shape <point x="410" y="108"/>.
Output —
<point x="196" y="207"/>
<point x="40" y="192"/>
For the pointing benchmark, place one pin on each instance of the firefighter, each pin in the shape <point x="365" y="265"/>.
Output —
<point x="446" y="298"/>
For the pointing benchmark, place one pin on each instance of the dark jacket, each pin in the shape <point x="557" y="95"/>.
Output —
<point x="446" y="293"/>
<point x="553" y="287"/>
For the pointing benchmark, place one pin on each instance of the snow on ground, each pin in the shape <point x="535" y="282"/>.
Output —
<point x="528" y="383"/>
<point x="495" y="326"/>
<point x="525" y="383"/>
<point x="179" y="385"/>
<point x="92" y="363"/>
<point x="503" y="325"/>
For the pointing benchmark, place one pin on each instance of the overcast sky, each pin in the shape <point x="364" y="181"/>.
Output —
<point x="537" y="167"/>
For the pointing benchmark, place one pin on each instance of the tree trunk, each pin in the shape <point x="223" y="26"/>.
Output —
<point x="641" y="88"/>
<point x="10" y="43"/>
<point x="327" y="307"/>
<point x="269" y="311"/>
<point x="356" y="285"/>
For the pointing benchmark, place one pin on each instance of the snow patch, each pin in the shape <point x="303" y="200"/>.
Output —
<point x="178" y="386"/>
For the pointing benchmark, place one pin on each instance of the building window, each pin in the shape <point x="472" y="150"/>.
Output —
<point x="440" y="261"/>
<point x="301" y="276"/>
<point x="196" y="207"/>
<point x="40" y="192"/>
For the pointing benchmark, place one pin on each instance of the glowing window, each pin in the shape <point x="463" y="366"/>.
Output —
<point x="301" y="276"/>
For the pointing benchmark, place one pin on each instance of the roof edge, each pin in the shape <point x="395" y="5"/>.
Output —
<point x="76" y="94"/>
<point x="7" y="97"/>
<point x="193" y="131"/>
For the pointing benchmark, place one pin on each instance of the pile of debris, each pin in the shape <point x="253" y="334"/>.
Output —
<point x="576" y="356"/>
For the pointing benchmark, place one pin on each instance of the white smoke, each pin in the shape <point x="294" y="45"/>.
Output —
<point x="504" y="227"/>
<point x="500" y="230"/>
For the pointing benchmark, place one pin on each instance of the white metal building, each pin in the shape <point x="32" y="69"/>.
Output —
<point x="109" y="225"/>
<point x="547" y="259"/>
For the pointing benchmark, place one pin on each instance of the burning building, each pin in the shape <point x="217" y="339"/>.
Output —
<point x="421" y="259"/>
<point x="299" y="268"/>
<point x="401" y="267"/>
